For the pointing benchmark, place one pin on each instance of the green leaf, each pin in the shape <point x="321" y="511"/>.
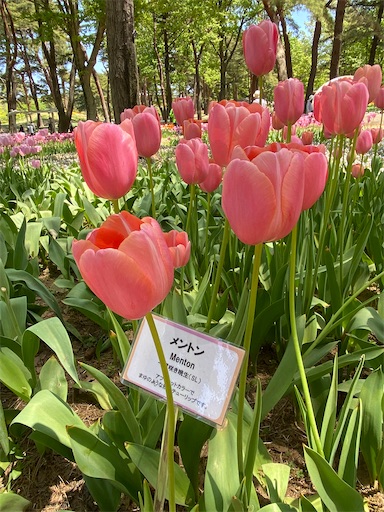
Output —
<point x="124" y="346"/>
<point x="146" y="502"/>
<point x="368" y="319"/>
<point x="147" y="461"/>
<point x="12" y="376"/>
<point x="32" y="238"/>
<point x="203" y="287"/>
<point x="349" y="456"/>
<point x="52" y="377"/>
<point x="345" y="409"/>
<point x="252" y="441"/>
<point x="104" y="492"/>
<point x="371" y="436"/>
<point x="98" y="459"/>
<point x="278" y="507"/>
<point x="4" y="441"/>
<point x="333" y="491"/>
<point x="55" y="335"/>
<point x="36" y="286"/>
<point x="276" y="478"/>
<point x="93" y="311"/>
<point x="13" y="322"/>
<point x="222" y="477"/>
<point x="191" y="436"/>
<point x="48" y="414"/>
<point x="121" y="402"/>
<point x="93" y="216"/>
<point x="9" y="501"/>
<point x="20" y="256"/>
<point x="329" y="416"/>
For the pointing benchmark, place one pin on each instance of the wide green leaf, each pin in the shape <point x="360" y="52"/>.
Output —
<point x="35" y="285"/>
<point x="98" y="459"/>
<point x="336" y="494"/>
<point x="371" y="396"/>
<point x="222" y="476"/>
<point x="48" y="414"/>
<point x="12" y="376"/>
<point x="52" y="377"/>
<point x="191" y="436"/>
<point x="12" y="502"/>
<point x="55" y="335"/>
<point x="276" y="478"/>
<point x="120" y="401"/>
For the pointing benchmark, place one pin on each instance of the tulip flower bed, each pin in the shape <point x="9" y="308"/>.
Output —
<point x="265" y="231"/>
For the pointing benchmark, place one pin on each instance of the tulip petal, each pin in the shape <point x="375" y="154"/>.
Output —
<point x="248" y="201"/>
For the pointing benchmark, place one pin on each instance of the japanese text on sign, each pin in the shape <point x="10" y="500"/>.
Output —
<point x="203" y="370"/>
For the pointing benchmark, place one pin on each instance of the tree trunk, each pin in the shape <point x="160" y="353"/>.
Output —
<point x="48" y="45"/>
<point x="376" y="38"/>
<point x="287" y="44"/>
<point x="84" y="66"/>
<point x="337" y="34"/>
<point x="197" y="58"/>
<point x="315" y="53"/>
<point x="104" y="105"/>
<point x="167" y="70"/>
<point x="281" y="62"/>
<point x="32" y="85"/>
<point x="11" y="55"/>
<point x="162" y="102"/>
<point x="123" y="73"/>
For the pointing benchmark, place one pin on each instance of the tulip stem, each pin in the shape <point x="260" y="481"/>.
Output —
<point x="149" y="165"/>
<point x="192" y="192"/>
<point x="345" y="204"/>
<point x="207" y="230"/>
<point x="296" y="343"/>
<point x="169" y="429"/>
<point x="329" y="197"/>
<point x="219" y="270"/>
<point x="115" y="203"/>
<point x="247" y="345"/>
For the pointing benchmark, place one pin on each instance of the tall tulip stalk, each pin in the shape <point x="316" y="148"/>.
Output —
<point x="146" y="126"/>
<point x="129" y="264"/>
<point x="264" y="194"/>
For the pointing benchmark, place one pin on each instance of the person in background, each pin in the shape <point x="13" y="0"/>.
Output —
<point x="309" y="105"/>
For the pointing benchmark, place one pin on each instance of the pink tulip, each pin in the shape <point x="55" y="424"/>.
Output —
<point x="192" y="129"/>
<point x="377" y="135"/>
<point x="146" y="125"/>
<point x="264" y="191"/>
<point x="108" y="157"/>
<point x="127" y="264"/>
<point x="364" y="142"/>
<point x="130" y="113"/>
<point x="260" y="47"/>
<point x="357" y="170"/>
<point x="192" y="160"/>
<point x="371" y="76"/>
<point x="179" y="246"/>
<point x="36" y="164"/>
<point x="213" y="179"/>
<point x="276" y="123"/>
<point x="379" y="100"/>
<point x="341" y="106"/>
<point x="307" y="137"/>
<point x="183" y="109"/>
<point x="233" y="124"/>
<point x="289" y="100"/>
